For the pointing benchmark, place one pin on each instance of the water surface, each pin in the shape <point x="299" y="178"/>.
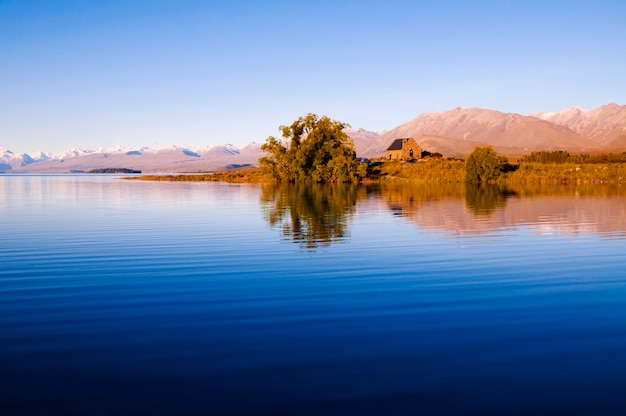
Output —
<point x="123" y="297"/>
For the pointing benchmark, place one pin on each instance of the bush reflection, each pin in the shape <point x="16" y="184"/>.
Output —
<point x="483" y="199"/>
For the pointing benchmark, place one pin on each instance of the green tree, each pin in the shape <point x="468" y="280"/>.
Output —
<point x="484" y="165"/>
<point x="312" y="149"/>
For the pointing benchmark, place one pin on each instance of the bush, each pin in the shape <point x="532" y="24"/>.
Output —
<point x="484" y="165"/>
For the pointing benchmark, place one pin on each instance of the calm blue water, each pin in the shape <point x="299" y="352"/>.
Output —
<point x="128" y="297"/>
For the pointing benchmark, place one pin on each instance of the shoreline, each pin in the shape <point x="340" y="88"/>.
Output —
<point x="434" y="171"/>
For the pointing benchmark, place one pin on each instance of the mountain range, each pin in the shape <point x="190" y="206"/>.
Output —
<point x="453" y="133"/>
<point x="168" y="159"/>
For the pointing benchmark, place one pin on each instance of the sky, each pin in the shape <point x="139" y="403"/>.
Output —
<point x="100" y="74"/>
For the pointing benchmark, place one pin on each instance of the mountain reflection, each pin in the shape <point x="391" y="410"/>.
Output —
<point x="311" y="215"/>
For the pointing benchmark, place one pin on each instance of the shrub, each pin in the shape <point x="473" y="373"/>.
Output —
<point x="484" y="165"/>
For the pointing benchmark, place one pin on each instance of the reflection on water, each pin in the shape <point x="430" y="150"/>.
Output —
<point x="480" y="208"/>
<point x="311" y="215"/>
<point x="123" y="297"/>
<point x="483" y="199"/>
<point x="318" y="215"/>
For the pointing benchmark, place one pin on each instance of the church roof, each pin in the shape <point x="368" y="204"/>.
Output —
<point x="396" y="145"/>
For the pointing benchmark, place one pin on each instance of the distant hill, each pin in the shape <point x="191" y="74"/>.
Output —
<point x="168" y="159"/>
<point x="453" y="133"/>
<point x="605" y="125"/>
<point x="362" y="138"/>
<point x="456" y="132"/>
<point x="601" y="125"/>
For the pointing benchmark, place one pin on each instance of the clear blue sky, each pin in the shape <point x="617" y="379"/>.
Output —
<point x="153" y="73"/>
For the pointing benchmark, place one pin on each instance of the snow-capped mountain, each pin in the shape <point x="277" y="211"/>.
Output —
<point x="173" y="158"/>
<point x="10" y="160"/>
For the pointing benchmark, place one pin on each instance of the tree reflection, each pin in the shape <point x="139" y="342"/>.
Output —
<point x="311" y="215"/>
<point x="483" y="199"/>
<point x="406" y="199"/>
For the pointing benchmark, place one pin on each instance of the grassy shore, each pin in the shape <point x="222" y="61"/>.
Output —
<point x="437" y="171"/>
<point x="240" y="175"/>
<point x="428" y="170"/>
<point x="559" y="173"/>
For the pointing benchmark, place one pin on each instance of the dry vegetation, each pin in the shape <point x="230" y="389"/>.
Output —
<point x="427" y="170"/>
<point x="439" y="170"/>
<point x="240" y="175"/>
<point x="558" y="173"/>
<point x="602" y="168"/>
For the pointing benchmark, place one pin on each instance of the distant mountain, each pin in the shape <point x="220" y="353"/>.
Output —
<point x="8" y="159"/>
<point x="458" y="131"/>
<point x="68" y="154"/>
<point x="362" y="138"/>
<point x="453" y="133"/>
<point x="605" y="125"/>
<point x="174" y="158"/>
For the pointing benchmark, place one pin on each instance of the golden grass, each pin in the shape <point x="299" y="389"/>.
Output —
<point x="437" y="171"/>
<point x="442" y="171"/>
<point x="240" y="175"/>
<point x="563" y="173"/>
<point x="428" y="170"/>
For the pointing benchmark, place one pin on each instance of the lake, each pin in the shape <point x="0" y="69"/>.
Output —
<point x="132" y="297"/>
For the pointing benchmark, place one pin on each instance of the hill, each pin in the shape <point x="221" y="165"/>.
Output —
<point x="605" y="125"/>
<point x="168" y="159"/>
<point x="453" y="132"/>
<point x="602" y="125"/>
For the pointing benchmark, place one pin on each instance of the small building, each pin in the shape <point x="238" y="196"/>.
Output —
<point x="403" y="149"/>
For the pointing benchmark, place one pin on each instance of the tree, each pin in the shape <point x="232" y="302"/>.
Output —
<point x="312" y="149"/>
<point x="483" y="165"/>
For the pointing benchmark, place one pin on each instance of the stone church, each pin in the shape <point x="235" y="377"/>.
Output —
<point x="403" y="149"/>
